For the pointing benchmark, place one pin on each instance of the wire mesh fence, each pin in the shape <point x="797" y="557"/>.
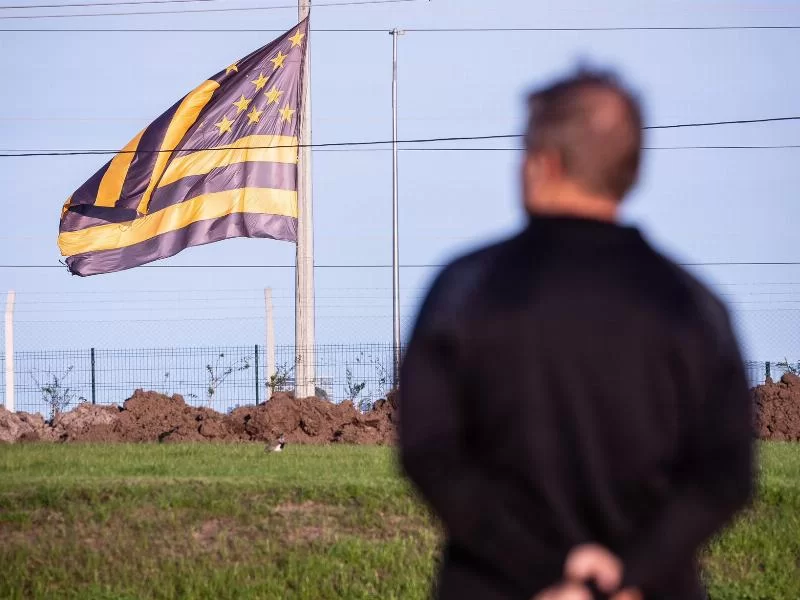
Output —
<point x="219" y="377"/>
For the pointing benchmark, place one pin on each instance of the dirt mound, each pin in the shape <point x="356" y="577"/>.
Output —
<point x="153" y="417"/>
<point x="311" y="421"/>
<point x="778" y="409"/>
<point x="13" y="428"/>
<point x="86" y="423"/>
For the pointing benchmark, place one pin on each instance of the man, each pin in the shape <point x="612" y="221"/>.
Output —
<point x="573" y="405"/>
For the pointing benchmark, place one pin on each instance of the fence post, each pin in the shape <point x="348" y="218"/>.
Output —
<point x="10" y="299"/>
<point x="94" y="392"/>
<point x="766" y="373"/>
<point x="257" y="386"/>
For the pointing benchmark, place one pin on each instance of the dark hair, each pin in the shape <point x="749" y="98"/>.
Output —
<point x="595" y="126"/>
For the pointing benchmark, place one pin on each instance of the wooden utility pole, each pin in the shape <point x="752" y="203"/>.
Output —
<point x="305" y="359"/>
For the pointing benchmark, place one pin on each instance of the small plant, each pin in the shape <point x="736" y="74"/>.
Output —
<point x="279" y="380"/>
<point x="382" y="376"/>
<point x="353" y="389"/>
<point x="217" y="373"/>
<point x="55" y="392"/>
<point x="365" y="404"/>
<point x="788" y="367"/>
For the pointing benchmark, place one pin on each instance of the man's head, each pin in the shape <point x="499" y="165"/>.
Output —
<point x="583" y="147"/>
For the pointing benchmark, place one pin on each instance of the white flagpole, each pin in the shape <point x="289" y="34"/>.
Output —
<point x="304" y="284"/>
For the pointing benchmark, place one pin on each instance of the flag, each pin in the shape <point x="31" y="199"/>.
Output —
<point x="221" y="163"/>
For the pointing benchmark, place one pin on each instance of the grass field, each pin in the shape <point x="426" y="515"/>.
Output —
<point x="212" y="521"/>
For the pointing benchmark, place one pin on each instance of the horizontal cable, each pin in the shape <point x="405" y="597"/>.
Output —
<point x="410" y="266"/>
<point x="416" y="29"/>
<point x="22" y="153"/>
<point x="85" y="4"/>
<point x="203" y="10"/>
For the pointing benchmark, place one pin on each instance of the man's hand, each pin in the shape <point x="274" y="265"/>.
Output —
<point x="566" y="591"/>
<point x="592" y="562"/>
<point x="577" y="591"/>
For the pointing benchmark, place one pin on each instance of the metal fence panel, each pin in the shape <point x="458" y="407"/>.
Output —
<point x="220" y="377"/>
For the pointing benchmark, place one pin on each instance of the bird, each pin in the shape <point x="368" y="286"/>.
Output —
<point x="278" y="447"/>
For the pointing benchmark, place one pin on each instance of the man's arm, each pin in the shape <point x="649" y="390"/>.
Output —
<point x="713" y="480"/>
<point x="474" y="509"/>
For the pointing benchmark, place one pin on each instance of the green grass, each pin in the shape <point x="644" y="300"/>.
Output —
<point x="229" y="521"/>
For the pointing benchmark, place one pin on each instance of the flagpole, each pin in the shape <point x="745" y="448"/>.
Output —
<point x="396" y="345"/>
<point x="304" y="284"/>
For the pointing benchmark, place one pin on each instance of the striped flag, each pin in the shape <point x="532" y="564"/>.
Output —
<point x="221" y="163"/>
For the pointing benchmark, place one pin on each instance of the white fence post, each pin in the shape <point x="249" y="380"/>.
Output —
<point x="9" y="334"/>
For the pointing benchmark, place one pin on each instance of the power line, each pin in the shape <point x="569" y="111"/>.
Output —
<point x="204" y="10"/>
<point x="413" y="30"/>
<point x="23" y="153"/>
<point x="185" y="30"/>
<point x="409" y="266"/>
<point x="486" y="149"/>
<point x="81" y="5"/>
<point x="640" y="28"/>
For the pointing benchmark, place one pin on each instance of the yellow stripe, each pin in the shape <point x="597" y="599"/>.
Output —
<point x="175" y="217"/>
<point x="253" y="148"/>
<point x="66" y="206"/>
<point x="184" y="118"/>
<point x="111" y="184"/>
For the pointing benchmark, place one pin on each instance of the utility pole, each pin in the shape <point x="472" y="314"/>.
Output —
<point x="9" y="335"/>
<point x="305" y="359"/>
<point x="396" y="342"/>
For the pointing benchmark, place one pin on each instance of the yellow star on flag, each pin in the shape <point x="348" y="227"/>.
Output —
<point x="286" y="113"/>
<point x="278" y="60"/>
<point x="297" y="39"/>
<point x="242" y="104"/>
<point x="260" y="82"/>
<point x="233" y="67"/>
<point x="224" y="125"/>
<point x="254" y="115"/>
<point x="274" y="95"/>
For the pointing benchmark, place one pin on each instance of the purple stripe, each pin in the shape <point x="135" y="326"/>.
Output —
<point x="251" y="225"/>
<point x="87" y="193"/>
<point x="144" y="161"/>
<point x="231" y="177"/>
<point x="87" y="215"/>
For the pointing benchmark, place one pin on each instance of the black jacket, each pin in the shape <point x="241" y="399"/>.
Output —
<point x="572" y="385"/>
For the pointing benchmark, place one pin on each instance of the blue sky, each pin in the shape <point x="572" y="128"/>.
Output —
<point x="75" y="90"/>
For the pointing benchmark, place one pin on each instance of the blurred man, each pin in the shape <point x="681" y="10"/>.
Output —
<point x="573" y="404"/>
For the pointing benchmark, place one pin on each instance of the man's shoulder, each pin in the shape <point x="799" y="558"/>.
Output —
<point x="458" y="283"/>
<point x="466" y="272"/>
<point x="705" y="305"/>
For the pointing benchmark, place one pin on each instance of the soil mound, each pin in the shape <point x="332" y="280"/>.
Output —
<point x="85" y="423"/>
<point x="778" y="409"/>
<point x="153" y="417"/>
<point x="311" y="421"/>
<point x="13" y="428"/>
